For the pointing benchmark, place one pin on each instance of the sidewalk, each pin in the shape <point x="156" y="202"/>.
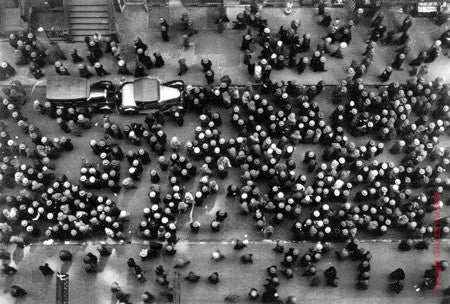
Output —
<point x="235" y="277"/>
<point x="223" y="49"/>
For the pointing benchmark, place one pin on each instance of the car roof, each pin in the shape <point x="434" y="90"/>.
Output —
<point x="128" y="95"/>
<point x="146" y="90"/>
<point x="67" y="88"/>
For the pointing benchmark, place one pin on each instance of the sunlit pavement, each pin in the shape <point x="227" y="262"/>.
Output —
<point x="224" y="49"/>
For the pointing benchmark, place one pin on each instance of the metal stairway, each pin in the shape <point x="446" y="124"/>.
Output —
<point x="85" y="17"/>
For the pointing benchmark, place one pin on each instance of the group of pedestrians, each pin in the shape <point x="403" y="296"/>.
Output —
<point x="345" y="190"/>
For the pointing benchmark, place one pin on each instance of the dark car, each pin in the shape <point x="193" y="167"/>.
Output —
<point x="146" y="95"/>
<point x="65" y="91"/>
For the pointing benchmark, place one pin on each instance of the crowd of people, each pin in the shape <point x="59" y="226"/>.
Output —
<point x="346" y="192"/>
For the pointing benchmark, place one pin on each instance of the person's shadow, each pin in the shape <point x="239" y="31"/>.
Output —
<point x="18" y="255"/>
<point x="66" y="266"/>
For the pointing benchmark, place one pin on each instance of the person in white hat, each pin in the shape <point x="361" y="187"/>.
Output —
<point x="433" y="52"/>
<point x="302" y="64"/>
<point x="123" y="70"/>
<point x="398" y="61"/>
<point x="338" y="53"/>
<point x="100" y="70"/>
<point x="164" y="27"/>
<point x="288" y="8"/>
<point x="6" y="70"/>
<point x="63" y="71"/>
<point x="83" y="71"/>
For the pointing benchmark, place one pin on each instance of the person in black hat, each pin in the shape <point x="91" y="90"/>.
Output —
<point x="139" y="70"/>
<point x="183" y="68"/>
<point x="36" y="71"/>
<point x="46" y="270"/>
<point x="386" y="74"/>
<point x="214" y="278"/>
<point x="17" y="291"/>
<point x="8" y="270"/>
<point x="75" y="57"/>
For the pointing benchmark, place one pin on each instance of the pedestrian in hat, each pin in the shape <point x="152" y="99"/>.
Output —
<point x="433" y="52"/>
<point x="186" y="42"/>
<point x="209" y="75"/>
<point x="36" y="71"/>
<point x="386" y="74"/>
<point x="138" y="44"/>
<point x="159" y="61"/>
<point x="419" y="59"/>
<point x="17" y="291"/>
<point x="398" y="61"/>
<point x="139" y="70"/>
<point x="46" y="270"/>
<point x="302" y="64"/>
<point x="6" y="70"/>
<point x="91" y="58"/>
<point x="164" y="27"/>
<point x="63" y="71"/>
<point x="83" y="71"/>
<point x="206" y="64"/>
<point x="100" y="70"/>
<point x="123" y="70"/>
<point x="75" y="57"/>
<point x="183" y="68"/>
<point x="338" y="53"/>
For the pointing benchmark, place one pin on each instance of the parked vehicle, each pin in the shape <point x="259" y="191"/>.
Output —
<point x="139" y="96"/>
<point x="147" y="94"/>
<point x="68" y="91"/>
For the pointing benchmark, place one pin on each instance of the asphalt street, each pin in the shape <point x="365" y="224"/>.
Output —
<point x="134" y="201"/>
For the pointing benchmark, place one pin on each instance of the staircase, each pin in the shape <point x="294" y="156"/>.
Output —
<point x="85" y="17"/>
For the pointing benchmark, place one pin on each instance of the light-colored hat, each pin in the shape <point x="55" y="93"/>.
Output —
<point x="97" y="64"/>
<point x="121" y="63"/>
<point x="343" y="45"/>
